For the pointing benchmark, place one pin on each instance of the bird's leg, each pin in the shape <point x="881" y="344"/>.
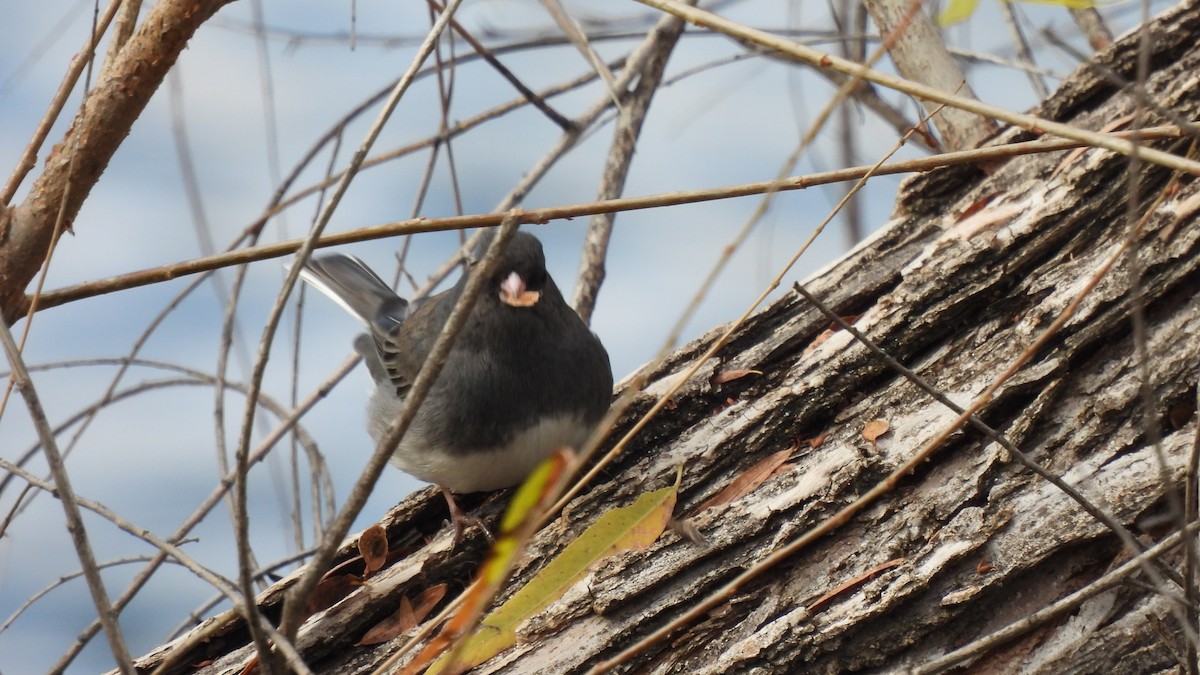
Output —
<point x="461" y="520"/>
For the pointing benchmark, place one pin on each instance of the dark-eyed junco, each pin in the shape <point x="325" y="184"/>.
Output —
<point x="524" y="378"/>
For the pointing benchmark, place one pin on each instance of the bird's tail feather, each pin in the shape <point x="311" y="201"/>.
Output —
<point x="350" y="283"/>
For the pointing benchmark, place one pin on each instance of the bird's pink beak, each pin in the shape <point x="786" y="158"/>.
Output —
<point x="513" y="293"/>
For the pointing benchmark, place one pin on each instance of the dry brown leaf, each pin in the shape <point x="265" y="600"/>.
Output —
<point x="816" y="442"/>
<point x="429" y="599"/>
<point x="874" y="429"/>
<point x="1181" y="413"/>
<point x="406" y="618"/>
<point x="731" y="375"/>
<point x="828" y="333"/>
<point x="251" y="666"/>
<point x="977" y="206"/>
<point x="373" y="547"/>
<point x="853" y="583"/>
<point x="331" y="590"/>
<point x="393" y="625"/>
<point x="749" y="480"/>
<point x="818" y="341"/>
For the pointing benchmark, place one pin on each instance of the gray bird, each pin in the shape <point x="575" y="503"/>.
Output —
<point x="524" y="378"/>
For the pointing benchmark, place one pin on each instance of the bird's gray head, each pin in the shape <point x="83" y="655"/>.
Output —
<point x="521" y="277"/>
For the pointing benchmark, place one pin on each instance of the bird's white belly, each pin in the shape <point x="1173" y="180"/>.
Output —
<point x="479" y="471"/>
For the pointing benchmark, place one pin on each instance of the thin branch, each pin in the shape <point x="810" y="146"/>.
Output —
<point x="821" y="59"/>
<point x="72" y="169"/>
<point x="126" y="22"/>
<point x="489" y="56"/>
<point x="62" y="581"/>
<point x="294" y="609"/>
<point x="620" y="156"/>
<point x="920" y="54"/>
<point x="1092" y="25"/>
<point x="29" y="157"/>
<point x="62" y="486"/>
<point x="576" y="35"/>
<point x="543" y="215"/>
<point x="1024" y="53"/>
<point x="1054" y="610"/>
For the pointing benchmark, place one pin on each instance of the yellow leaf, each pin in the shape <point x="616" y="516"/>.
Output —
<point x="532" y="498"/>
<point x="631" y="527"/>
<point x="956" y="11"/>
<point x="961" y="10"/>
<point x="1069" y="4"/>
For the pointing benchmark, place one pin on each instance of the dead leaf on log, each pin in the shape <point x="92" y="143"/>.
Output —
<point x="632" y="527"/>
<point x="373" y="547"/>
<point x="331" y="590"/>
<point x="874" y="429"/>
<point x="1181" y="413"/>
<point x="853" y="583"/>
<point x="406" y="618"/>
<point x="749" y="480"/>
<point x="828" y="333"/>
<point x="977" y="206"/>
<point x="532" y="498"/>
<point x="731" y="375"/>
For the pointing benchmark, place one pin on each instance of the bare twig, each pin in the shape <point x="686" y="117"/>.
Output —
<point x="1024" y="53"/>
<point x="62" y="485"/>
<point x="1092" y="25"/>
<point x="629" y="126"/>
<point x="921" y="56"/>
<point x="29" y="157"/>
<point x="62" y="580"/>
<point x="1191" y="511"/>
<point x="126" y="22"/>
<point x="543" y="215"/>
<point x="293" y="609"/>
<point x="1056" y="609"/>
<point x="824" y="60"/>
<point x="100" y="127"/>
<point x="577" y="37"/>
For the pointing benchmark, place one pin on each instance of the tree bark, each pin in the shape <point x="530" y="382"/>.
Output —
<point x="970" y="270"/>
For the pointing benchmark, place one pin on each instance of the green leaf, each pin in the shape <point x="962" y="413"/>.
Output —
<point x="631" y="527"/>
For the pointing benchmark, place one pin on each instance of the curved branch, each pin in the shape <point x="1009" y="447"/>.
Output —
<point x="75" y="164"/>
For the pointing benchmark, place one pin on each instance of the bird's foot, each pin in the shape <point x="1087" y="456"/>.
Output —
<point x="461" y="521"/>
